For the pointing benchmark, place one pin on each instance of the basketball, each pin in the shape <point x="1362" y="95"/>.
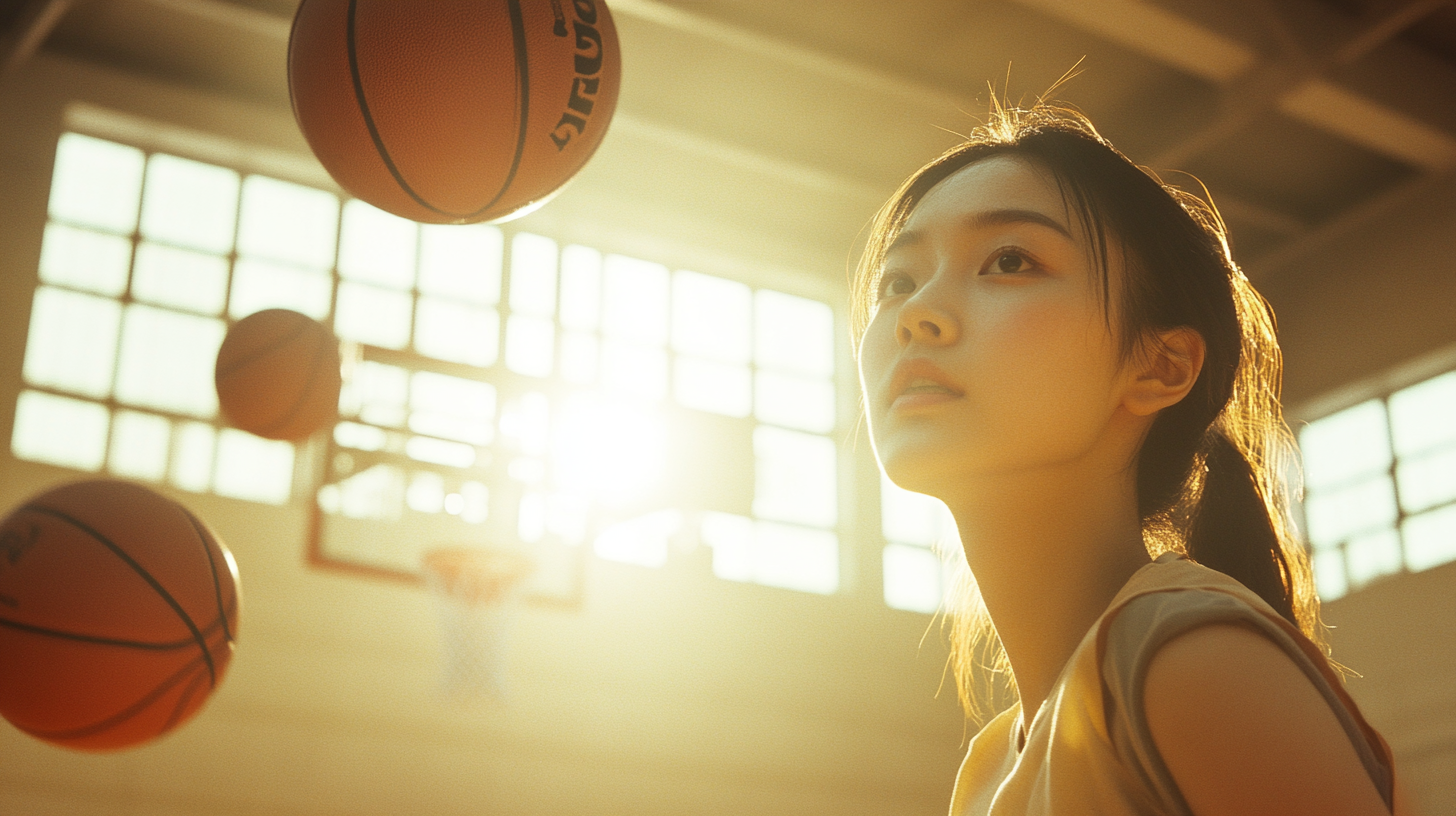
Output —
<point x="118" y="610"/>
<point x="278" y="376"/>
<point x="453" y="111"/>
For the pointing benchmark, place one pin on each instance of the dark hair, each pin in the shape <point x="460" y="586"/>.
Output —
<point x="1210" y="473"/>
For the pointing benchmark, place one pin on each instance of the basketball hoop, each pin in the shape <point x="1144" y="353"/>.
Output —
<point x="477" y="590"/>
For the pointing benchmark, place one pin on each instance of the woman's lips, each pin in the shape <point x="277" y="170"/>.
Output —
<point x="923" y="393"/>
<point x="918" y="383"/>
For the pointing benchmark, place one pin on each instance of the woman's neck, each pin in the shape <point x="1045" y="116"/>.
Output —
<point x="1049" y="549"/>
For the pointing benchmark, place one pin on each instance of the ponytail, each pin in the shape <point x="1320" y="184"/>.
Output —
<point x="1232" y="530"/>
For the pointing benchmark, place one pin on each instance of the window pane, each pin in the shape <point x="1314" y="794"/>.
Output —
<point x="426" y="492"/>
<point x="252" y="468"/>
<point x="439" y="452"/>
<point x="711" y="317"/>
<point x="59" y="431"/>
<point x="448" y="330"/>
<point x="533" y="275"/>
<point x="1424" y="415"/>
<point x="1335" y="515"/>
<point x="71" y="344"/>
<point x="461" y="262"/>
<point x="796" y="558"/>
<point x="360" y="437"/>
<point x="180" y="278"/>
<point x="192" y="450"/>
<point x="634" y="370"/>
<point x="96" y="183"/>
<point x="530" y="345"/>
<point x="913" y="518"/>
<point x="475" y="502"/>
<point x="376" y="394"/>
<point x="1329" y="574"/>
<point x="579" y="358"/>
<point x="190" y="204"/>
<point x="1370" y="556"/>
<point x="708" y="385"/>
<point x="795" y="477"/>
<point x="368" y="314"/>
<point x="795" y="402"/>
<point x="82" y="259"/>
<point x="1430" y="538"/>
<point x="642" y="541"/>
<point x="634" y="300"/>
<point x="376" y="493"/>
<point x="731" y="538"/>
<point x="793" y="334"/>
<point x="167" y="360"/>
<point x="912" y="578"/>
<point x="452" y="408"/>
<point x="613" y="451"/>
<point x="259" y="285"/>
<point x="1345" y="445"/>
<point x="1427" y="481"/>
<point x="567" y="517"/>
<point x="581" y="288"/>
<point x="531" y="517"/>
<point x="377" y="247"/>
<point x="139" y="444"/>
<point x="288" y="222"/>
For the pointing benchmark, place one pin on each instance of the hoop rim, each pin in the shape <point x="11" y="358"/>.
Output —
<point x="475" y="574"/>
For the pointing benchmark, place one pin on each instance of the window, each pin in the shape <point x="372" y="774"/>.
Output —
<point x="1380" y="486"/>
<point x="139" y="256"/>
<point x="917" y="530"/>
<point x="497" y="383"/>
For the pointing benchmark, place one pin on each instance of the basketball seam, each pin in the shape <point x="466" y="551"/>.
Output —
<point x="262" y="352"/>
<point x="122" y="715"/>
<point x="141" y="571"/>
<point x="206" y="541"/>
<point x="319" y="353"/>
<point x="518" y="36"/>
<point x="98" y="639"/>
<point x="179" y="710"/>
<point x="523" y="83"/>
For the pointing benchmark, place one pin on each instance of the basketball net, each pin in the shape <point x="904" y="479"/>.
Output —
<point x="478" y="591"/>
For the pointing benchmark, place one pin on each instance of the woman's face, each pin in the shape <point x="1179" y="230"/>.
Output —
<point x="989" y="351"/>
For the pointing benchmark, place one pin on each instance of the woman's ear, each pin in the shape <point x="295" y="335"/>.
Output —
<point x="1164" y="371"/>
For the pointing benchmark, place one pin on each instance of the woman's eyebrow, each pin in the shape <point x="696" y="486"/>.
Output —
<point x="984" y="219"/>
<point x="1001" y="218"/>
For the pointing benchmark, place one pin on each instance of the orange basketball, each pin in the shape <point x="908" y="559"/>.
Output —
<point x="278" y="375"/>
<point x="118" y="610"/>
<point x="453" y="111"/>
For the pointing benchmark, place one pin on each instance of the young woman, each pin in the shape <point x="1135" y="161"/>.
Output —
<point x="1060" y="348"/>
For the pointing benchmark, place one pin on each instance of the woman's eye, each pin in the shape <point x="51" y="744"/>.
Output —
<point x="1008" y="262"/>
<point x="892" y="285"/>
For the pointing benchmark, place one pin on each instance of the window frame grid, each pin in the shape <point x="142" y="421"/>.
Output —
<point x="1401" y="514"/>
<point x="308" y="474"/>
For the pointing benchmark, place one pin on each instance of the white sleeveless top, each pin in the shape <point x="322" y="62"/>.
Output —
<point x="1088" y="750"/>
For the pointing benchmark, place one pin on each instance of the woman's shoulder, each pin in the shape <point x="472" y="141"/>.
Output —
<point x="1241" y="729"/>
<point x="1180" y="631"/>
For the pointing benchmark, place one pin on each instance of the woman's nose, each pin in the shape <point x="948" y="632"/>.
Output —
<point x="922" y="321"/>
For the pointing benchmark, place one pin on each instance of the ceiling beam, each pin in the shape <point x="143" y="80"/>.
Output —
<point x="744" y="159"/>
<point x="1347" y="221"/>
<point x="787" y="51"/>
<point x="1156" y="33"/>
<point x="1370" y="124"/>
<point x="1252" y="86"/>
<point x="33" y="23"/>
<point x="1260" y="217"/>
